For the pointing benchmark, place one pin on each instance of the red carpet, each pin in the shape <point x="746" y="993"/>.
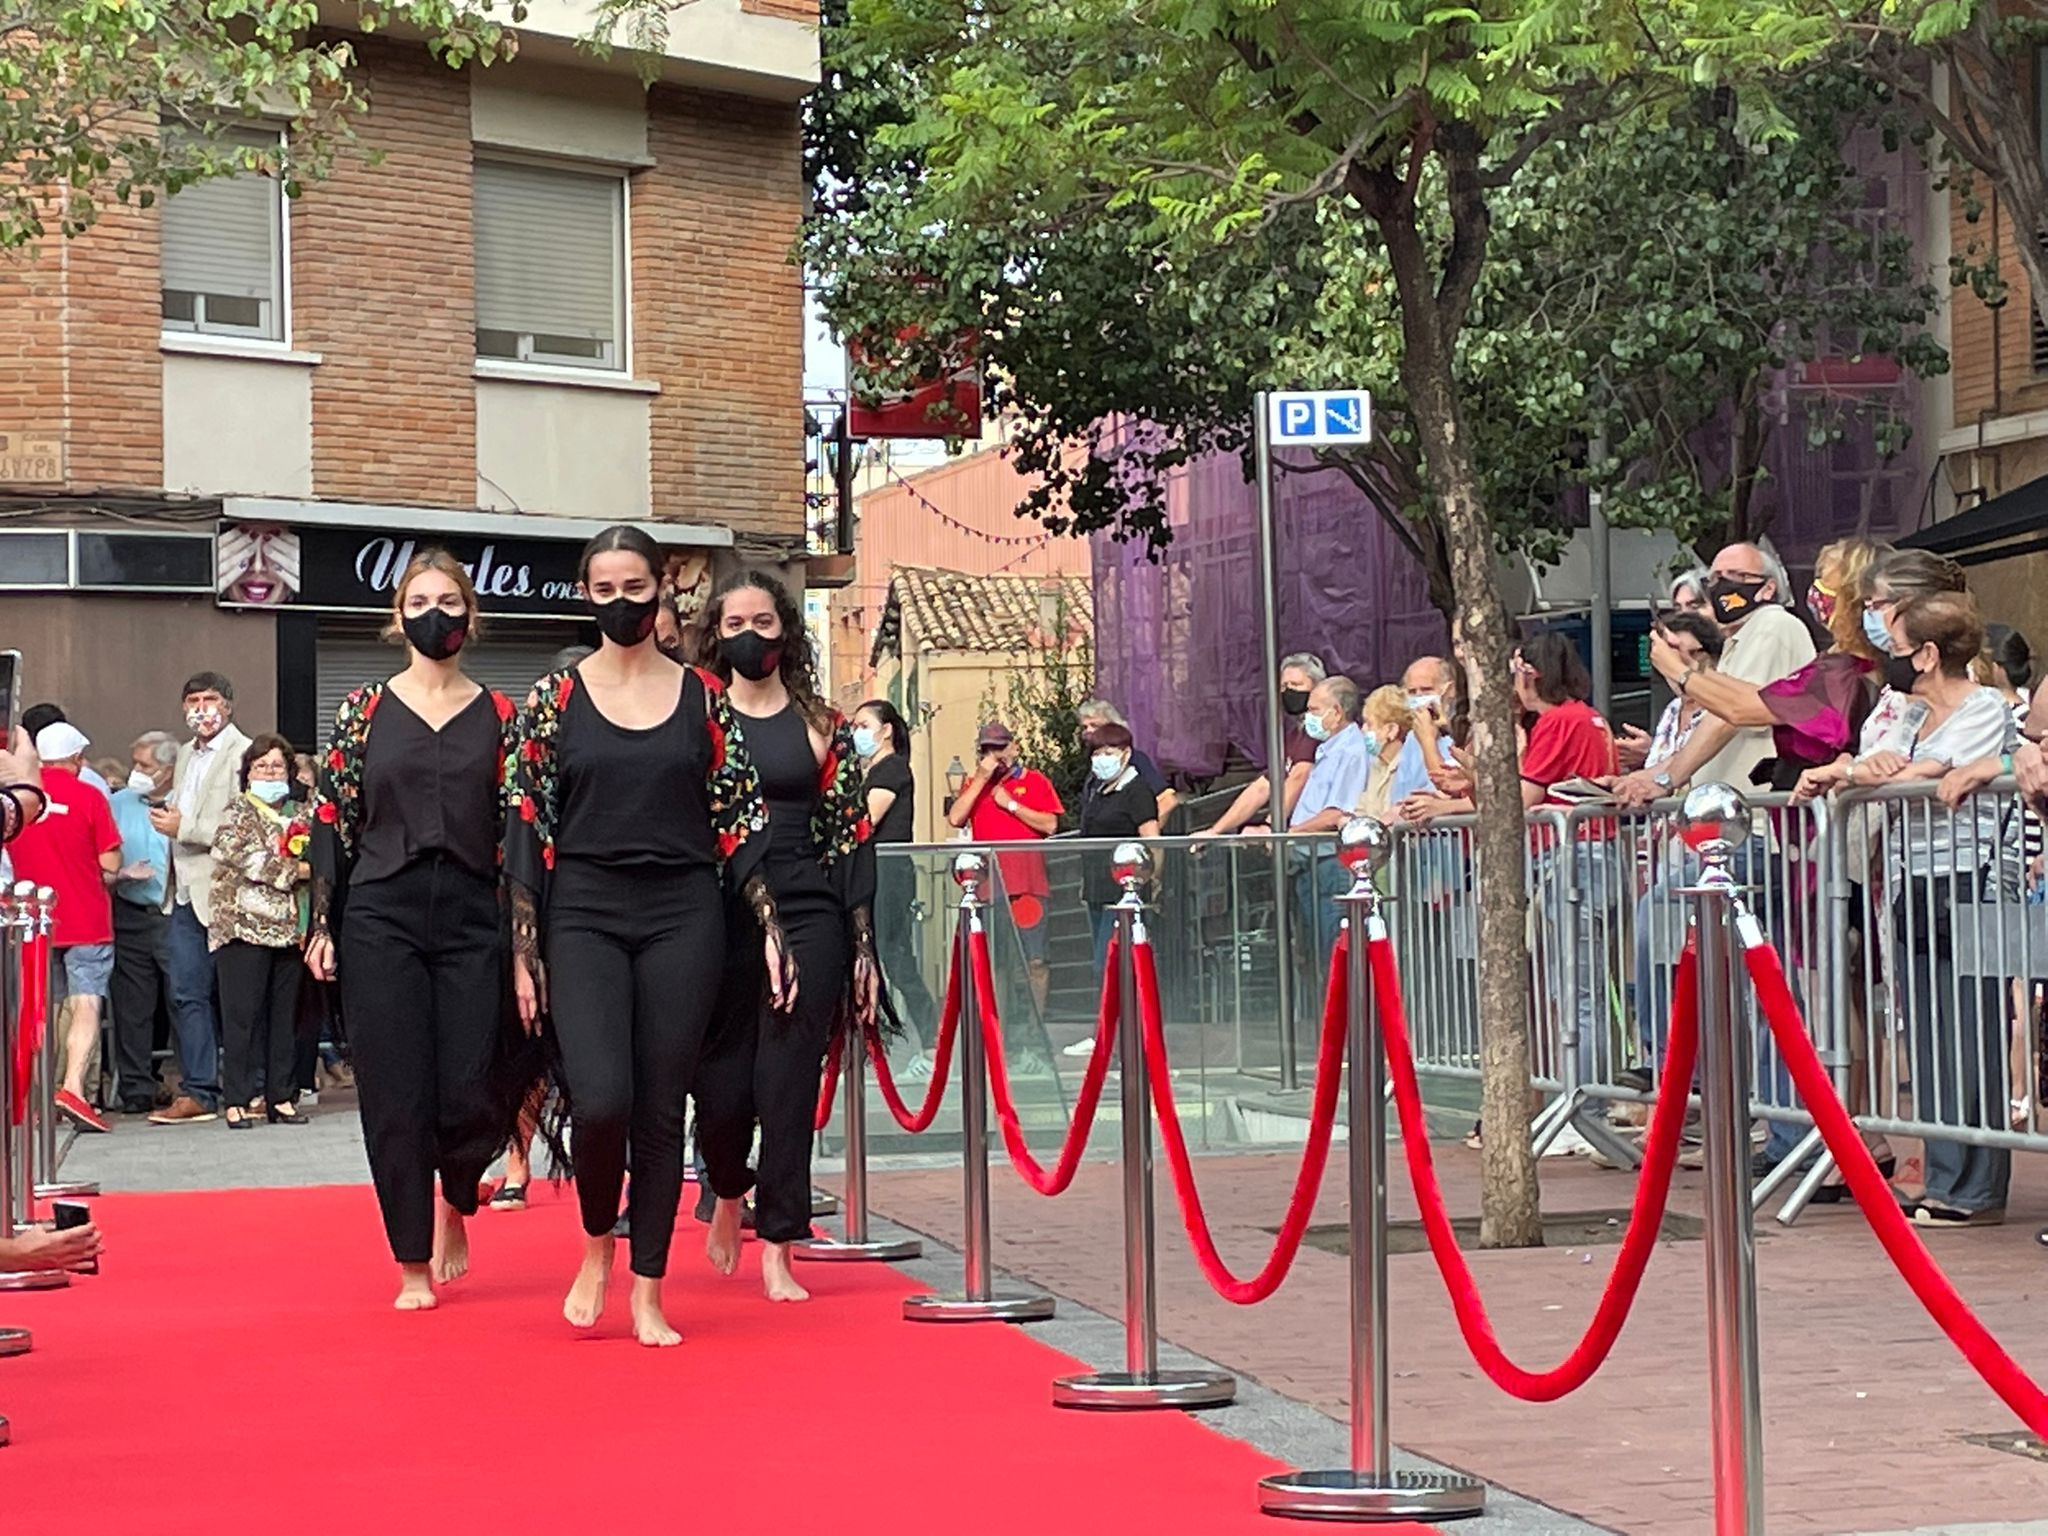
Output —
<point x="237" y="1366"/>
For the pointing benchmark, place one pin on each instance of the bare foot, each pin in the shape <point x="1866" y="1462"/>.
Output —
<point x="776" y="1279"/>
<point x="586" y="1297"/>
<point x="650" y="1325"/>
<point x="451" y="1246"/>
<point x="722" y="1246"/>
<point x="415" y="1289"/>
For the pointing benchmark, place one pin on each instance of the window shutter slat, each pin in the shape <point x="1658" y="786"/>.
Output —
<point x="547" y="258"/>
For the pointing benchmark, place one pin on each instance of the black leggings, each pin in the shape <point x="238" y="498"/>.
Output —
<point x="765" y="1065"/>
<point x="259" y="1003"/>
<point x="422" y="975"/>
<point x="631" y="957"/>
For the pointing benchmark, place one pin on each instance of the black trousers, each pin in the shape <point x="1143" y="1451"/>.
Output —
<point x="632" y="958"/>
<point x="259" y="1009"/>
<point x="765" y="1065"/>
<point x="895" y="941"/>
<point x="422" y="971"/>
<point x="141" y="978"/>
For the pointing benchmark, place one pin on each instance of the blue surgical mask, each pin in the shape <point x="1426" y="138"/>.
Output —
<point x="270" y="791"/>
<point x="864" y="742"/>
<point x="1372" y="743"/>
<point x="1106" y="765"/>
<point x="1317" y="730"/>
<point x="1874" y="631"/>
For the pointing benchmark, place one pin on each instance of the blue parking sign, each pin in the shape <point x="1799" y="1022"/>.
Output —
<point x="1319" y="418"/>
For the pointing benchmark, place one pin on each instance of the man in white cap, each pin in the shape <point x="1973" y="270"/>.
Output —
<point x="76" y="850"/>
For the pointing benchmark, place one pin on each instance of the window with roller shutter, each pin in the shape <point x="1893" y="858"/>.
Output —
<point x="223" y="252"/>
<point x="550" y="265"/>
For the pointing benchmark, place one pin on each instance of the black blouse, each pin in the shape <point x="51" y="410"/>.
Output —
<point x="1115" y="812"/>
<point x="633" y="797"/>
<point x="429" y="792"/>
<point x="892" y="772"/>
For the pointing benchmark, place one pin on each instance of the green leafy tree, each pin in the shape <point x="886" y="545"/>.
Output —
<point x="1145" y="215"/>
<point x="88" y="88"/>
<point x="1038" y="702"/>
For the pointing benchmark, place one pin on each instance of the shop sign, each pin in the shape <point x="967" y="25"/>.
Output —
<point x="357" y="570"/>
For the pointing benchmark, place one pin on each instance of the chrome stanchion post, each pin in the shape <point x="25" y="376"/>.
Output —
<point x="17" y="919"/>
<point x="978" y="1301"/>
<point x="43" y="1090"/>
<point x="1370" y="1488"/>
<point x="1140" y="1384"/>
<point x="1717" y="821"/>
<point x="853" y="1088"/>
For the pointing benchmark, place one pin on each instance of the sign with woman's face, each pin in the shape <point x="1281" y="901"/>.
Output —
<point x="256" y="565"/>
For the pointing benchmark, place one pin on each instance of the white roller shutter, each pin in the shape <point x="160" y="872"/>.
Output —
<point x="223" y="237"/>
<point x="510" y="657"/>
<point x="547" y="255"/>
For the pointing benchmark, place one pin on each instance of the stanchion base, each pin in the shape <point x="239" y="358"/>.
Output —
<point x="15" y="1341"/>
<point x="1120" y="1390"/>
<point x="877" y="1252"/>
<point x="823" y="1204"/>
<point x="70" y="1189"/>
<point x="1370" y="1496"/>
<point x="35" y="1280"/>
<point x="982" y="1309"/>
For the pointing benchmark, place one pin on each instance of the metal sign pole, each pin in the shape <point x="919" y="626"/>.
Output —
<point x="1370" y="1488"/>
<point x="1140" y="1384"/>
<point x="43" y="1093"/>
<point x="978" y="1301"/>
<point x="17" y="919"/>
<point x="1276" y="741"/>
<point x="1717" y="819"/>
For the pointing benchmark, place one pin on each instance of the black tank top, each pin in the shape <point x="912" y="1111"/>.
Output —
<point x="635" y="797"/>
<point x="780" y="745"/>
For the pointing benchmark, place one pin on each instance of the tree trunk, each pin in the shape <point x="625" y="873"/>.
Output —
<point x="1510" y="1214"/>
<point x="1999" y="116"/>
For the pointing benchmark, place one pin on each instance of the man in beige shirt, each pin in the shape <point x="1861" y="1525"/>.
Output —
<point x="203" y="781"/>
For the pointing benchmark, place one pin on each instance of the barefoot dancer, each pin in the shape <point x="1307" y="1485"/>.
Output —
<point x="628" y="809"/>
<point x="807" y="889"/>
<point x="407" y="821"/>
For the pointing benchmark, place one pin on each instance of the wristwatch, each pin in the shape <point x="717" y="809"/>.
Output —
<point x="1661" y="779"/>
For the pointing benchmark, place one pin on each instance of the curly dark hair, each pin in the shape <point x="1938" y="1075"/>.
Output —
<point x="799" y="661"/>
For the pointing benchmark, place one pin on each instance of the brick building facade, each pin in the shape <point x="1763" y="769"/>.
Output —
<point x="532" y="300"/>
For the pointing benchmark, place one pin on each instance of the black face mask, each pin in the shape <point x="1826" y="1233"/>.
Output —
<point x="436" y="634"/>
<point x="1294" y="701"/>
<point x="1733" y="600"/>
<point x="752" y="656"/>
<point x="625" y="620"/>
<point x="1900" y="674"/>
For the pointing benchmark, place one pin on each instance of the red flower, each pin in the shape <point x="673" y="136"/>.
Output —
<point x="547" y="855"/>
<point x="328" y="812"/>
<point x="563" y="689"/>
<point x="532" y="750"/>
<point x="335" y="760"/>
<point x="717" y="734"/>
<point x="370" y="704"/>
<point x="864" y="831"/>
<point x="502" y="705"/>
<point x="727" y="844"/>
<point x="528" y="809"/>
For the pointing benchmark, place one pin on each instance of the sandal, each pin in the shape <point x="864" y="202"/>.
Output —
<point x="510" y="1197"/>
<point x="1835" y="1194"/>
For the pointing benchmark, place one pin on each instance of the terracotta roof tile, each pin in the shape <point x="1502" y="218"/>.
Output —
<point x="954" y="611"/>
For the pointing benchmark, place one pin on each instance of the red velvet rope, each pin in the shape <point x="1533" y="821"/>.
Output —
<point x="1880" y="1207"/>
<point x="35" y="1007"/>
<point x="1314" y="1154"/>
<point x="1660" y="1157"/>
<point x="1076" y="1142"/>
<point x="828" y="1090"/>
<point x="942" y="1062"/>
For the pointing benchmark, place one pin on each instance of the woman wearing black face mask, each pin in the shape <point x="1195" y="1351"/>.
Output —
<point x="806" y="971"/>
<point x="628" y="806"/>
<point x="407" y="819"/>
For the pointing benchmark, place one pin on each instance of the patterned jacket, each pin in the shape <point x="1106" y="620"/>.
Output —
<point x="257" y="881"/>
<point x="532" y="780"/>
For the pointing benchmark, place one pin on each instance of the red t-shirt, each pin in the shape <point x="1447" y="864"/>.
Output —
<point x="63" y="851"/>
<point x="1571" y="741"/>
<point x="1023" y="873"/>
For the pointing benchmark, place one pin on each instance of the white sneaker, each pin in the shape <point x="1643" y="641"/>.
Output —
<point x="1568" y="1143"/>
<point x="918" y="1069"/>
<point x="1081" y="1049"/>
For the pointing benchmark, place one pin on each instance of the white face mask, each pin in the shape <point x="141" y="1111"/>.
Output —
<point x="141" y="782"/>
<point x="1424" y="701"/>
<point x="270" y="791"/>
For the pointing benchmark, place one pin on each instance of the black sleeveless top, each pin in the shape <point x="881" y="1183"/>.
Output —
<point x="780" y="746"/>
<point x="635" y="797"/>
<point x="429" y="792"/>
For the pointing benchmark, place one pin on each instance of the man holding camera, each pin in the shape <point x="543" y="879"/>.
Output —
<point x="1005" y="802"/>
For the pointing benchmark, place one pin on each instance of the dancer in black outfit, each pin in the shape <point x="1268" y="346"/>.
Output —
<point x="628" y="808"/>
<point x="407" y="822"/>
<point x="808" y="889"/>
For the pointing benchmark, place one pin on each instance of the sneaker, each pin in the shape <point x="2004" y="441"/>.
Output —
<point x="184" y="1110"/>
<point x="1083" y="1048"/>
<point x="918" y="1069"/>
<point x="1926" y="1215"/>
<point x="80" y="1113"/>
<point x="1568" y="1143"/>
